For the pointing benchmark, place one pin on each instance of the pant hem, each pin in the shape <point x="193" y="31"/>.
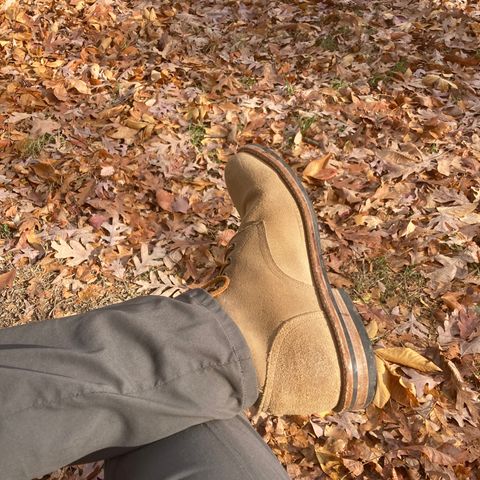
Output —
<point x="236" y="340"/>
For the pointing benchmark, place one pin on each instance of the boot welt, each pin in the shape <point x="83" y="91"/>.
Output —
<point x="352" y="342"/>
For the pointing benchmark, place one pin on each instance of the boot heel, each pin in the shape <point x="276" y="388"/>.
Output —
<point x="363" y="373"/>
<point x="303" y="370"/>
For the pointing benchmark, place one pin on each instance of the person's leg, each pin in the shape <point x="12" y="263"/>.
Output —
<point x="121" y="376"/>
<point x="216" y="450"/>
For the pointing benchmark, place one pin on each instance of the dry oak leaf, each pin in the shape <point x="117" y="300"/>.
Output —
<point x="317" y="170"/>
<point x="217" y="131"/>
<point x="147" y="260"/>
<point x="434" y="455"/>
<point x="420" y="381"/>
<point x="382" y="394"/>
<point x="459" y="211"/>
<point x="74" y="252"/>
<point x="164" y="200"/>
<point x="399" y="388"/>
<point x="467" y="348"/>
<point x="372" y="329"/>
<point x="115" y="230"/>
<point x="45" y="171"/>
<point x="438" y="82"/>
<point x="180" y="205"/>
<point x="408" y="358"/>
<point x="41" y="126"/>
<point x="124" y="133"/>
<point x="58" y="89"/>
<point x="6" y="279"/>
<point x="16" y="117"/>
<point x="60" y="92"/>
<point x="80" y="86"/>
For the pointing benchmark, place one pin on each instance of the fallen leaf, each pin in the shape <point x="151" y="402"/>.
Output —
<point x="45" y="170"/>
<point x="408" y="358"/>
<point x="217" y="131"/>
<point x="436" y="81"/>
<point x="164" y="200"/>
<point x="355" y="467"/>
<point x="74" y="252"/>
<point x="225" y="236"/>
<point x="472" y="347"/>
<point x="97" y="220"/>
<point x="80" y="86"/>
<point x="181" y="205"/>
<point x="420" y="381"/>
<point x="314" y="170"/>
<point x="401" y="390"/>
<point x="107" y="171"/>
<point x="434" y="455"/>
<point x="459" y="210"/>
<point x="147" y="260"/>
<point x="16" y="117"/>
<point x="60" y="92"/>
<point x="124" y="133"/>
<point x="372" y="329"/>
<point x="41" y="126"/>
<point x="115" y="230"/>
<point x="7" y="278"/>
<point x="382" y="394"/>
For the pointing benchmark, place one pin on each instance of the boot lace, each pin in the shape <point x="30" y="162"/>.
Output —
<point x="222" y="280"/>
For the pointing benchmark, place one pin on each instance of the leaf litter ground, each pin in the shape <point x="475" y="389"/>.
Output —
<point x="117" y="120"/>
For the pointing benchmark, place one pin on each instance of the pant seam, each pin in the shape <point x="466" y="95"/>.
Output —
<point x="205" y="302"/>
<point x="239" y="362"/>
<point x="127" y="394"/>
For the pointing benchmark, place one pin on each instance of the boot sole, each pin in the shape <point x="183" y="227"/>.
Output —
<point x="355" y="349"/>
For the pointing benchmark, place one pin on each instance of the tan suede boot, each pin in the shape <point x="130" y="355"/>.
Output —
<point x="308" y="343"/>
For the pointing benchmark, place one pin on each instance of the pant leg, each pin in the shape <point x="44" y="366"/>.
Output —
<point x="116" y="378"/>
<point x="216" y="450"/>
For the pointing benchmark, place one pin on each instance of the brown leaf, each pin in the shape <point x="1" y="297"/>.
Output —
<point x="164" y="200"/>
<point x="7" y="278"/>
<point x="372" y="329"/>
<point x="60" y="92"/>
<point x="75" y="253"/>
<point x="408" y="358"/>
<point x="459" y="210"/>
<point x="181" y="205"/>
<point x="314" y="170"/>
<point x="124" y="133"/>
<point x="451" y="300"/>
<point x="355" y="467"/>
<point x="436" y="81"/>
<point x="16" y="117"/>
<point x="41" y="126"/>
<point x="97" y="220"/>
<point x="111" y="112"/>
<point x="217" y="131"/>
<point x="382" y="394"/>
<point x="420" y="381"/>
<point x="401" y="390"/>
<point x="469" y="348"/>
<point x="396" y="157"/>
<point x="45" y="170"/>
<point x="80" y="86"/>
<point x="135" y="124"/>
<point x="468" y="322"/>
<point x="339" y="281"/>
<point x="86" y="191"/>
<point x="225" y="236"/>
<point x="434" y="455"/>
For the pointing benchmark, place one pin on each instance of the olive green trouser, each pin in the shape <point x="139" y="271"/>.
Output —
<point x="171" y="376"/>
